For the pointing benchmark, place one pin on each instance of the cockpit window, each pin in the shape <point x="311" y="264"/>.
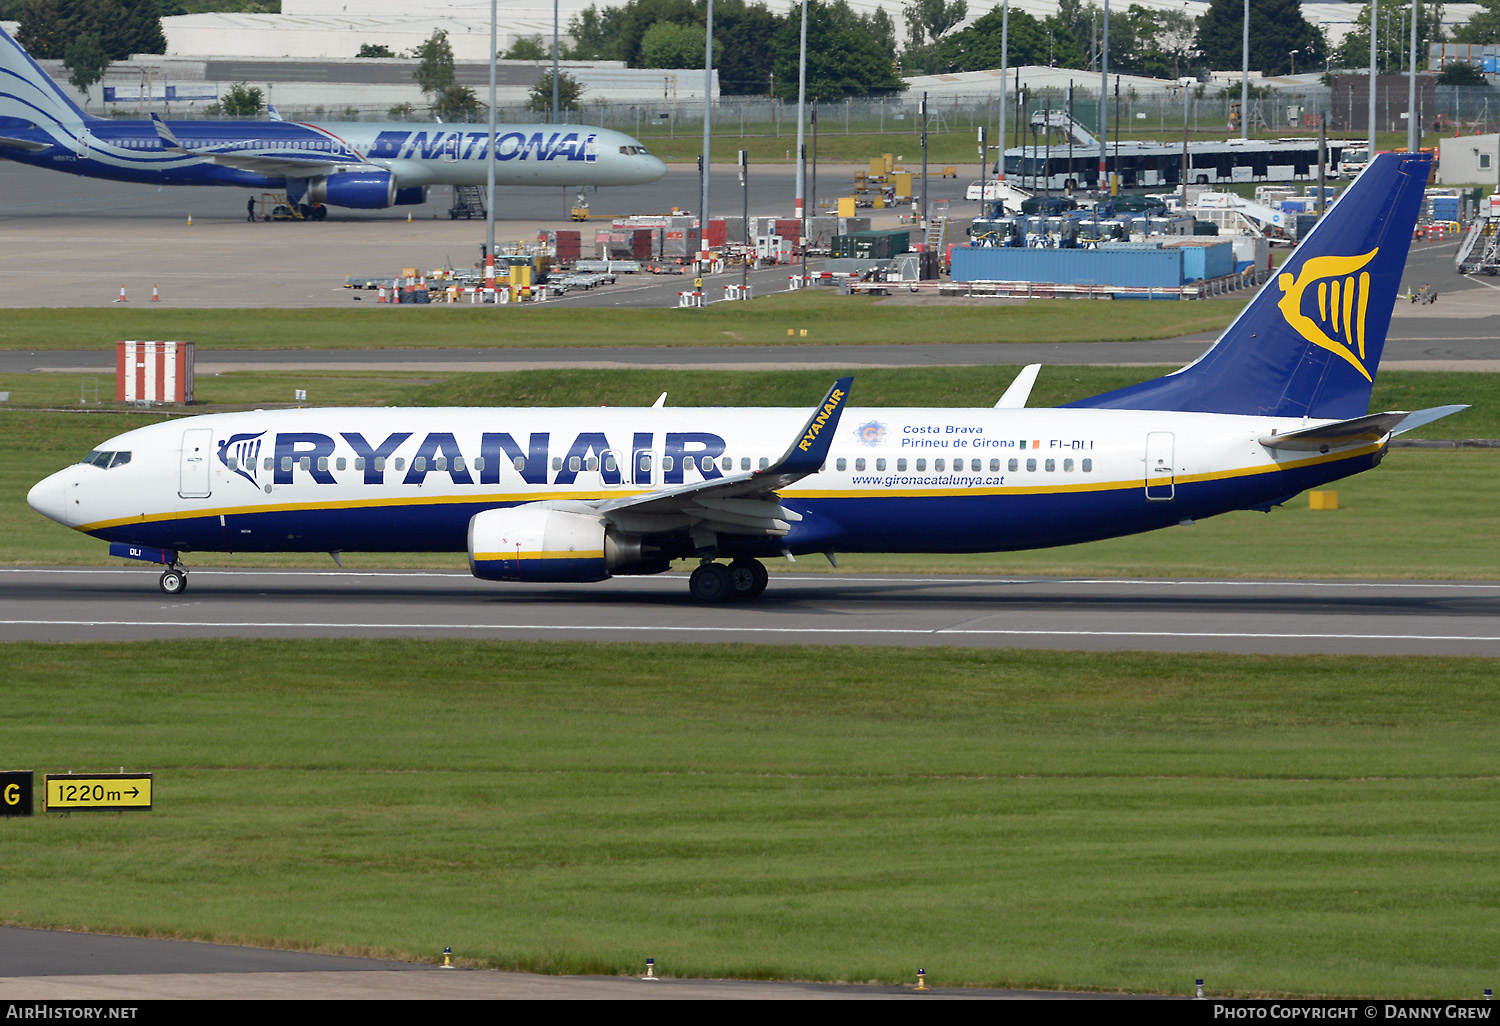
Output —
<point x="633" y="150"/>
<point x="105" y="460"/>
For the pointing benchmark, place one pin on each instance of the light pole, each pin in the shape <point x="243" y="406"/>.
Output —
<point x="1245" y="75"/>
<point x="1294" y="54"/>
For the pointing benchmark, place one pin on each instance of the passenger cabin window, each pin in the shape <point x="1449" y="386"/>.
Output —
<point x="841" y="464"/>
<point x="1013" y="466"/>
<point x="880" y="464"/>
<point x="921" y="464"/>
<point x="901" y="464"/>
<point x="859" y="464"/>
<point x="1088" y="466"/>
<point x="1031" y="466"/>
<point x="939" y="464"/>
<point x="764" y="463"/>
<point x="744" y="462"/>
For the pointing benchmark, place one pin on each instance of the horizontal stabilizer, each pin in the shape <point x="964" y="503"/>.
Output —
<point x="1358" y="430"/>
<point x="1417" y="419"/>
<point x="27" y="145"/>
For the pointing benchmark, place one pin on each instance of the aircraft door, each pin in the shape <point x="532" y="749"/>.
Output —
<point x="450" y="147"/>
<point x="197" y="444"/>
<point x="1160" y="476"/>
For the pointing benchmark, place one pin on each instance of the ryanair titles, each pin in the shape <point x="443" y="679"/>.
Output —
<point x="400" y="457"/>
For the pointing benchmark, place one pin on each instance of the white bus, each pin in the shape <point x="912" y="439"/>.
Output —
<point x="1147" y="164"/>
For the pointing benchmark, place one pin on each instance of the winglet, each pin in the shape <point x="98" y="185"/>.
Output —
<point x="168" y="139"/>
<point x="1020" y="389"/>
<point x="810" y="449"/>
<point x="271" y="112"/>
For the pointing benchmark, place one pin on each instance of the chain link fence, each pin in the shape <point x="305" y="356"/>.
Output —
<point x="1205" y="110"/>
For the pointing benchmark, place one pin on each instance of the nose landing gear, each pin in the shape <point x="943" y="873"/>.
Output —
<point x="173" y="581"/>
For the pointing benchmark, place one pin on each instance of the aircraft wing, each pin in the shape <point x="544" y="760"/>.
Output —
<point x="309" y="166"/>
<point x="744" y="503"/>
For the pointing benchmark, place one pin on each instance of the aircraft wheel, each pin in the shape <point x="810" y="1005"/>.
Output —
<point x="305" y="210"/>
<point x="319" y="212"/>
<point x="747" y="578"/>
<point x="710" y="583"/>
<point x="173" y="582"/>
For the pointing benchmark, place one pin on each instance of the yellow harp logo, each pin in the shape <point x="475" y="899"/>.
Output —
<point x="1337" y="323"/>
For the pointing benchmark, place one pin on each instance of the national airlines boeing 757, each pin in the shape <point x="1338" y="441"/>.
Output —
<point x="353" y="164"/>
<point x="1276" y="406"/>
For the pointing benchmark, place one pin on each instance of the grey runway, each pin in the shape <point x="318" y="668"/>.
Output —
<point x="1251" y="616"/>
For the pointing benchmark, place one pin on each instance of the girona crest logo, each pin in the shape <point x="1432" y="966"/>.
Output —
<point x="1326" y="304"/>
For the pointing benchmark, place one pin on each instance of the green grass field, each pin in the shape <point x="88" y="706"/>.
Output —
<point x="1114" y="822"/>
<point x="828" y="320"/>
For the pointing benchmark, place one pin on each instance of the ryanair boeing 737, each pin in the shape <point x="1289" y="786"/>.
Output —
<point x="365" y="165"/>
<point x="1276" y="406"/>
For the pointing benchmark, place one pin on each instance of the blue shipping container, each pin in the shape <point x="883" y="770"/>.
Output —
<point x="1136" y="268"/>
<point x="1445" y="208"/>
<point x="1213" y="261"/>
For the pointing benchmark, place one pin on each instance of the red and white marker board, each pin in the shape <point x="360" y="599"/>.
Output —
<point x="160" y="372"/>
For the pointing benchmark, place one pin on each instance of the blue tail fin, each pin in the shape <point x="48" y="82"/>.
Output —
<point x="27" y="95"/>
<point x="1309" y="343"/>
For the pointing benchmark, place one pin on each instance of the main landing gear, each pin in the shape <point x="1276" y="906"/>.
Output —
<point x="716" y="582"/>
<point x="173" y="581"/>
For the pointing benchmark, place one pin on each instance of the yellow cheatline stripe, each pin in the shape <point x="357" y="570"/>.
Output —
<point x="493" y="557"/>
<point x="791" y="493"/>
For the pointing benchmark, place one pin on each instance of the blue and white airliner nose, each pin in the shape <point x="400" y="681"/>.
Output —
<point x="48" y="497"/>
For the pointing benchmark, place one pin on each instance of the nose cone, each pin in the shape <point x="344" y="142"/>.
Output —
<point x="655" y="170"/>
<point x="48" y="498"/>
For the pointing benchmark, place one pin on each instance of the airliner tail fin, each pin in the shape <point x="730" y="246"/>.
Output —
<point x="1309" y="344"/>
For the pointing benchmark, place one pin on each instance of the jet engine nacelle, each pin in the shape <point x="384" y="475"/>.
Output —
<point x="363" y="190"/>
<point x="537" y="542"/>
<point x="411" y="196"/>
